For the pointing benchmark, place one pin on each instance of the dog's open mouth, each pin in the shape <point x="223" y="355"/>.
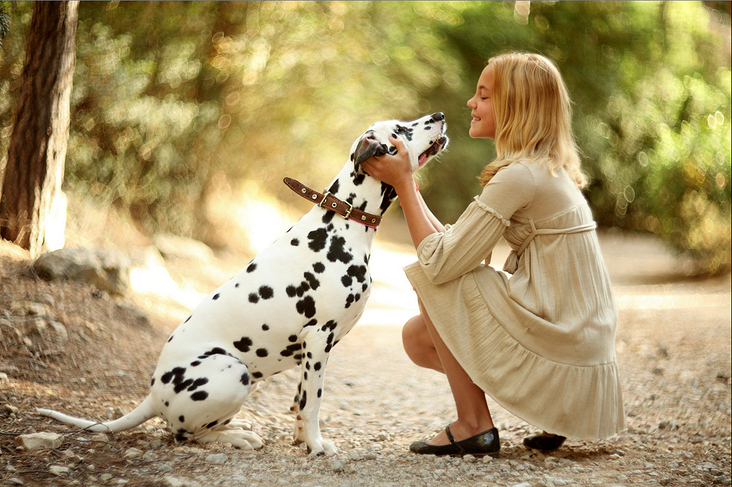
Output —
<point x="433" y="150"/>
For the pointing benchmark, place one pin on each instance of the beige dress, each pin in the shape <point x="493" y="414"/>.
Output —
<point x="541" y="342"/>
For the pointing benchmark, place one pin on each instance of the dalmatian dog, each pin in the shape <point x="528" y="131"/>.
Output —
<point x="289" y="306"/>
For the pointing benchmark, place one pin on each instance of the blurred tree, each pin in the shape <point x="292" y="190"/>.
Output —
<point x="37" y="149"/>
<point x="4" y="23"/>
<point x="175" y="101"/>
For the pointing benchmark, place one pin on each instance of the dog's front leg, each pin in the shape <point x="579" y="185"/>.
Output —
<point x="316" y="347"/>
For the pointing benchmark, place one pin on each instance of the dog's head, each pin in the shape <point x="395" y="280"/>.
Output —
<point x="424" y="138"/>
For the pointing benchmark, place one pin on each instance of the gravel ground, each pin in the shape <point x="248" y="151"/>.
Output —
<point x="86" y="353"/>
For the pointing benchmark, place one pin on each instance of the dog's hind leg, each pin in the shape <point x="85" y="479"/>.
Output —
<point x="201" y="401"/>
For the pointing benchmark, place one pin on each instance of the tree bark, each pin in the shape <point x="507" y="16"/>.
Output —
<point x="37" y="149"/>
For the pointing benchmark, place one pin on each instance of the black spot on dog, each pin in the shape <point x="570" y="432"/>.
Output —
<point x="244" y="379"/>
<point x="311" y="323"/>
<point x="216" y="296"/>
<point x="359" y="179"/>
<point x="197" y="383"/>
<point x="152" y="382"/>
<point x="317" y="366"/>
<point x="176" y="375"/>
<point x="330" y="326"/>
<point x="311" y="280"/>
<point x="320" y="392"/>
<point x="359" y="272"/>
<point x="337" y="250"/>
<point x="294" y="242"/>
<point x="292" y="338"/>
<point x="171" y="337"/>
<point x="306" y="306"/>
<point x="195" y="363"/>
<point x="290" y="350"/>
<point x="188" y="319"/>
<point x="317" y="239"/>
<point x="181" y="435"/>
<point x="182" y="419"/>
<point x="349" y="301"/>
<point x="266" y="292"/>
<point x="253" y="298"/>
<point x="236" y="285"/>
<point x="265" y="327"/>
<point x="262" y="352"/>
<point x="328" y="217"/>
<point x="257" y="375"/>
<point x="211" y="424"/>
<point x="346" y="280"/>
<point x="199" y="396"/>
<point x="213" y="351"/>
<point x="291" y="291"/>
<point x="166" y="403"/>
<point x="182" y="386"/>
<point x="252" y="267"/>
<point x="303" y="400"/>
<point x="319" y="267"/>
<point x="244" y="344"/>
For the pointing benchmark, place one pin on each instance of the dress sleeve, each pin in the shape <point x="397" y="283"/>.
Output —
<point x="463" y="246"/>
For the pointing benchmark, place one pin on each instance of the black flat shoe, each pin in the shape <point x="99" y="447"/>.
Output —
<point x="486" y="443"/>
<point x="544" y="443"/>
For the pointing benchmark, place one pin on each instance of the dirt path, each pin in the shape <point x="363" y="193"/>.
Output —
<point x="673" y="347"/>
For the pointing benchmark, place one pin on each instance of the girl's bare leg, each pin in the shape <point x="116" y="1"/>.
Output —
<point x="426" y="348"/>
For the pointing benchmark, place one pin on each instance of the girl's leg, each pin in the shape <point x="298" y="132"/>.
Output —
<point x="472" y="408"/>
<point x="418" y="344"/>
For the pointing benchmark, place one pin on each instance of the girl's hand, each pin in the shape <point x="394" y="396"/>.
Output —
<point x="394" y="170"/>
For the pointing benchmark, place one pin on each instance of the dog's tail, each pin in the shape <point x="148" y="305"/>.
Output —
<point x="139" y="415"/>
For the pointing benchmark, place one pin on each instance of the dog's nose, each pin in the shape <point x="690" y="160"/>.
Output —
<point x="438" y="117"/>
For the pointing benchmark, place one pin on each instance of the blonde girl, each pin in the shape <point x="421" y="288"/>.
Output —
<point x="537" y="335"/>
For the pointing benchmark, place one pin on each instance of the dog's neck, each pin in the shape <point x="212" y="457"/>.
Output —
<point x="362" y="191"/>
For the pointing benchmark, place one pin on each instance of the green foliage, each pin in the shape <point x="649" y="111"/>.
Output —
<point x="173" y="99"/>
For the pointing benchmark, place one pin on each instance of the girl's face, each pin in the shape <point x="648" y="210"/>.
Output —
<point x="483" y="124"/>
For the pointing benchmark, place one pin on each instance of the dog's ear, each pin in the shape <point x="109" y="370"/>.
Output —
<point x="367" y="147"/>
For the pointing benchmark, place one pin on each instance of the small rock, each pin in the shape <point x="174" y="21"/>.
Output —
<point x="335" y="465"/>
<point x="35" y="441"/>
<point x="487" y="459"/>
<point x="3" y="376"/>
<point x="171" y="481"/>
<point x="383" y="436"/>
<point x="73" y="457"/>
<point x="369" y="456"/>
<point x="217" y="458"/>
<point x="8" y="409"/>
<point x="106" y="477"/>
<point x="100" y="437"/>
<point x="16" y="481"/>
<point x="469" y="458"/>
<point x="58" y="470"/>
<point x="59" y="329"/>
<point x="522" y="484"/>
<point x="133" y="453"/>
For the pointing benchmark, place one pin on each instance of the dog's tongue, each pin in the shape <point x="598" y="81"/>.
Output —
<point x="422" y="158"/>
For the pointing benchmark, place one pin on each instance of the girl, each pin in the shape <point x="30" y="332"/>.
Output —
<point x="541" y="342"/>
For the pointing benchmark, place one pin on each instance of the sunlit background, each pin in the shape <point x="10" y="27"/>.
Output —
<point x="186" y="115"/>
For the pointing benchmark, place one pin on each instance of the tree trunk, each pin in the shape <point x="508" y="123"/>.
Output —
<point x="37" y="149"/>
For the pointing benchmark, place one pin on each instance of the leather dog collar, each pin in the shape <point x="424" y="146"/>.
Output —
<point x="329" y="202"/>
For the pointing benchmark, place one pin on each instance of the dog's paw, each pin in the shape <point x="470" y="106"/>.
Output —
<point x="240" y="423"/>
<point x="322" y="447"/>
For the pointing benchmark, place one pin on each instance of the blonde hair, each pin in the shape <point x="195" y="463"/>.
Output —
<point x="533" y="116"/>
